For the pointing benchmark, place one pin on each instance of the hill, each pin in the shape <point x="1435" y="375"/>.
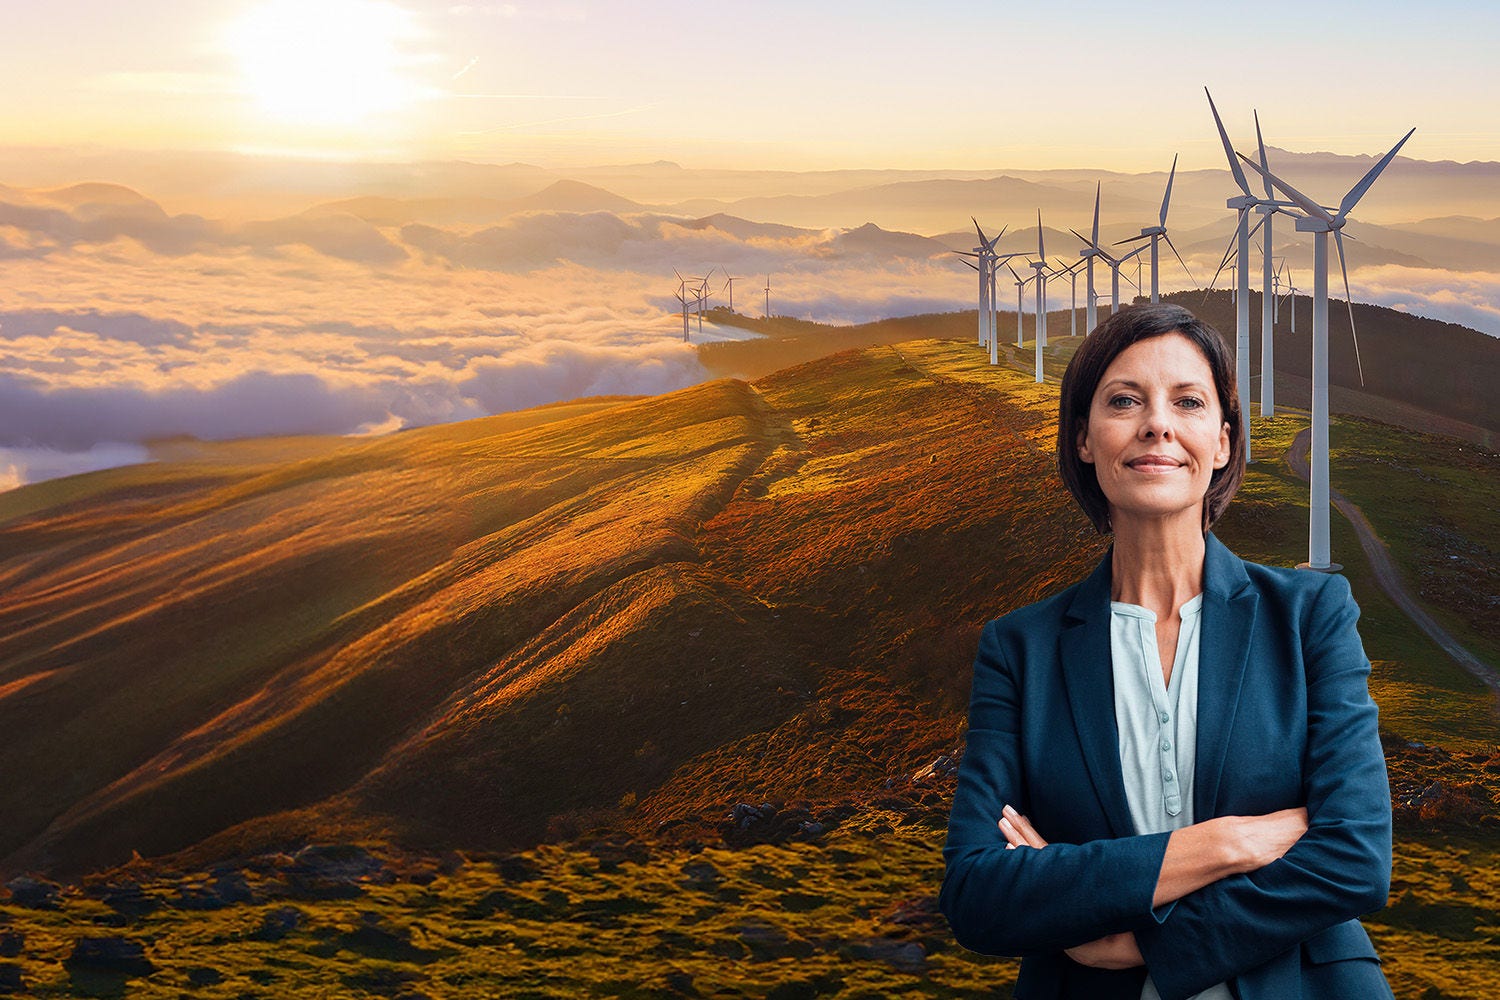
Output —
<point x="628" y="620"/>
<point x="1420" y="373"/>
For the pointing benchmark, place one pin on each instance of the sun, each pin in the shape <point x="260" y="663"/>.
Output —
<point x="326" y="62"/>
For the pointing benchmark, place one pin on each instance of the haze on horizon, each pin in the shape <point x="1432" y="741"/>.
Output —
<point x="568" y="83"/>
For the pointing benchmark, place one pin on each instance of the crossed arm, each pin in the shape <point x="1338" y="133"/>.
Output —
<point x="1243" y="889"/>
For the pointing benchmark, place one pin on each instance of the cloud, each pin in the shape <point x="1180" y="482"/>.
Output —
<point x="1469" y="298"/>
<point x="19" y="466"/>
<point x="332" y="325"/>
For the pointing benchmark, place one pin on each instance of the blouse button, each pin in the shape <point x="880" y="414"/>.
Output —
<point x="1166" y="744"/>
<point x="1168" y="775"/>
<point x="1165" y="718"/>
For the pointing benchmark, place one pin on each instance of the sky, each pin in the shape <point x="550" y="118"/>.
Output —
<point x="137" y="317"/>
<point x="770" y="85"/>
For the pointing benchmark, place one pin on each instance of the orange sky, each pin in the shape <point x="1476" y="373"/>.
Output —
<point x="775" y="85"/>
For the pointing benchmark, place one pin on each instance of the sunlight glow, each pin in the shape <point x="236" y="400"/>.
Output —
<point x="326" y="62"/>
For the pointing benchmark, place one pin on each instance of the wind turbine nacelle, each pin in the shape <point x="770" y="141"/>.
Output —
<point x="1313" y="224"/>
<point x="1242" y="201"/>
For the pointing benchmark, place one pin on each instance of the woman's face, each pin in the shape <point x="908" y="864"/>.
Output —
<point x="1155" y="431"/>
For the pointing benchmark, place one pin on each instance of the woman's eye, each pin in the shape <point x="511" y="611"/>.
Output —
<point x="1121" y="401"/>
<point x="1191" y="403"/>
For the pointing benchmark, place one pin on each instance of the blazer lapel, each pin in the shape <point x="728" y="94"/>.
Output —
<point x="1088" y="675"/>
<point x="1229" y="606"/>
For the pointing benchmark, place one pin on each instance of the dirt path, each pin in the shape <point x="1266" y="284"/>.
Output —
<point x="1386" y="573"/>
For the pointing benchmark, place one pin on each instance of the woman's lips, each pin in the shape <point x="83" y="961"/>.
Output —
<point x="1153" y="463"/>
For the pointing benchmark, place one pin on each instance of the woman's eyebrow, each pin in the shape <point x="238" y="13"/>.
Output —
<point x="1132" y="384"/>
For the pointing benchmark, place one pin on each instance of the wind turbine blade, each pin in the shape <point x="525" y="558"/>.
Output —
<point x="1131" y="239"/>
<point x="1256" y="228"/>
<point x="970" y="266"/>
<point x="1041" y="251"/>
<point x="1081" y="238"/>
<point x="1013" y="273"/>
<point x="1098" y="186"/>
<point x="678" y="273"/>
<point x="982" y="237"/>
<point x="1302" y="201"/>
<point x="1179" y="259"/>
<point x="1234" y="164"/>
<point x="966" y="253"/>
<point x="1168" y="196"/>
<point x="1265" y="165"/>
<point x="1338" y="238"/>
<point x="1358" y="191"/>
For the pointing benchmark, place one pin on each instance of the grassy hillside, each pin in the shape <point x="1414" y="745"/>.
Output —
<point x="532" y="664"/>
<point x="1417" y="372"/>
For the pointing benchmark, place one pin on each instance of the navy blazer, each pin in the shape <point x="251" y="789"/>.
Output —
<point x="1284" y="719"/>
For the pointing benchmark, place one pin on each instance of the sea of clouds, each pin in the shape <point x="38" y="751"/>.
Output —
<point x="123" y="325"/>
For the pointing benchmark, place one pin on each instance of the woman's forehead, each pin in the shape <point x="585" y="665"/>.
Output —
<point x="1170" y="359"/>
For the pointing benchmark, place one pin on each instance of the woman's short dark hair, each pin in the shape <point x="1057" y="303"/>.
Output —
<point x="1128" y="326"/>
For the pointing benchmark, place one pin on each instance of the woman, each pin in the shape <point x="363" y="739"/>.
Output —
<point x="1173" y="784"/>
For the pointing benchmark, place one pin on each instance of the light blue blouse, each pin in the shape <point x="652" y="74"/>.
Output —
<point x="1158" y="726"/>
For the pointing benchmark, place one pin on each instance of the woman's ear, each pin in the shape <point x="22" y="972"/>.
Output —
<point x="1081" y="440"/>
<point x="1221" y="458"/>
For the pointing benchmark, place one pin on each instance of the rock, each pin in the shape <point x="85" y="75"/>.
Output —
<point x="226" y="890"/>
<point x="769" y="824"/>
<point x="117" y="955"/>
<point x="333" y="871"/>
<point x="905" y="956"/>
<point x="766" y="942"/>
<point x="34" y="893"/>
<point x="700" y="875"/>
<point x="518" y="868"/>
<point x="277" y="924"/>
<point x="202" y="975"/>
<point x="920" y="911"/>
<point x="10" y="978"/>
<point x="130" y="900"/>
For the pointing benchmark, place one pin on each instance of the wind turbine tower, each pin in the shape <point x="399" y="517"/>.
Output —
<point x="1320" y="222"/>
<point x="1040" y="265"/>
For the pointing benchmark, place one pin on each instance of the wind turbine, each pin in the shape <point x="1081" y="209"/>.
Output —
<point x="729" y="281"/>
<point x="682" y="298"/>
<point x="768" y="296"/>
<point x="1320" y="222"/>
<point x="1159" y="232"/>
<point x="1071" y="270"/>
<point x="1021" y="283"/>
<point x="985" y="254"/>
<point x="1093" y="249"/>
<point x="1040" y="266"/>
<point x="1089" y="252"/>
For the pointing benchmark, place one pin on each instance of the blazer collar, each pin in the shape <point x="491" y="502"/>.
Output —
<point x="1229" y="605"/>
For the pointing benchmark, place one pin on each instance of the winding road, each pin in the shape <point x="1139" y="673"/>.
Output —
<point x="1386" y="573"/>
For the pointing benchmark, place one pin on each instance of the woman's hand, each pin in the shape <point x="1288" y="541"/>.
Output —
<point x="1256" y="841"/>
<point x="1018" y="830"/>
<point x="1113" y="951"/>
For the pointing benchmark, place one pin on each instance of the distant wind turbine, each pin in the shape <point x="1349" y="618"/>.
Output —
<point x="768" y="296"/>
<point x="1159" y="232"/>
<point x="984" y="253"/>
<point x="1320" y="222"/>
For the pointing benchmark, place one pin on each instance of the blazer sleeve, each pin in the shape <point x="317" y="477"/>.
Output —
<point x="1024" y="901"/>
<point x="1338" y="870"/>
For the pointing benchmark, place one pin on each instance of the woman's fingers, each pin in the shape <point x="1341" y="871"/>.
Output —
<point x="1018" y="830"/>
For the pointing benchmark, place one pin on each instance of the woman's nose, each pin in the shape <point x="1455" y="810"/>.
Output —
<point x="1156" y="421"/>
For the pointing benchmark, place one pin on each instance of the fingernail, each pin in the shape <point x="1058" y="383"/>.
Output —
<point x="1010" y="847"/>
<point x="1005" y="823"/>
<point x="1008" y="810"/>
